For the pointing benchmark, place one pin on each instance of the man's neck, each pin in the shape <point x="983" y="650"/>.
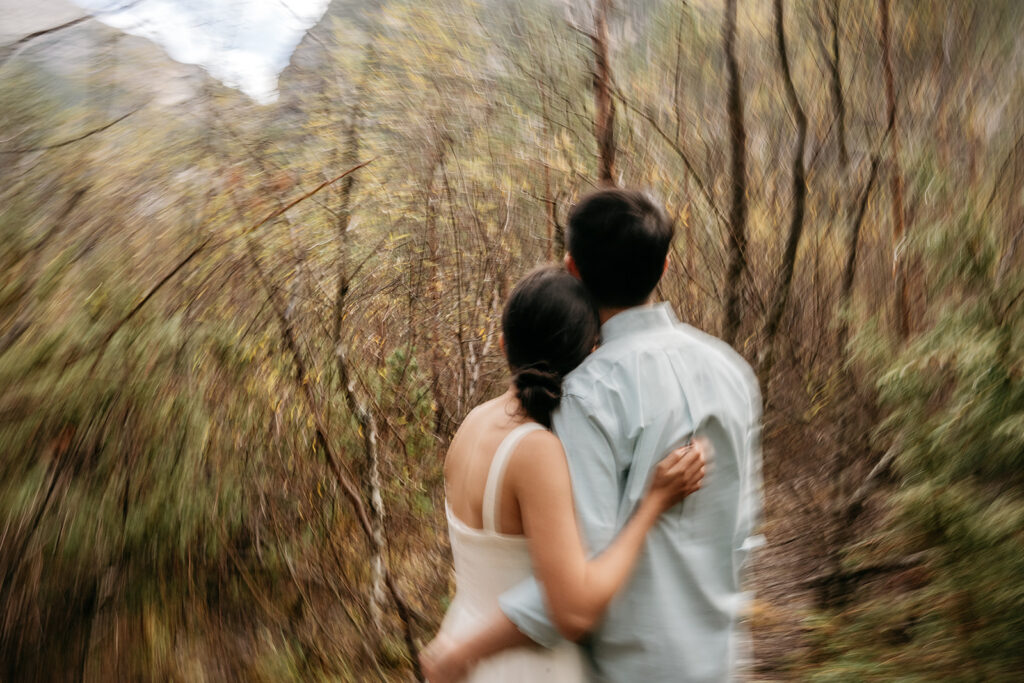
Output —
<point x="606" y="313"/>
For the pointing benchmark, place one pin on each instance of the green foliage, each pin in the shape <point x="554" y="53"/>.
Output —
<point x="955" y="404"/>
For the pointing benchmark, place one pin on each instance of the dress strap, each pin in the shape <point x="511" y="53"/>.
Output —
<point x="491" y="508"/>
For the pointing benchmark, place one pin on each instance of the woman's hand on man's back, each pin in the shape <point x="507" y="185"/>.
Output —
<point x="680" y="473"/>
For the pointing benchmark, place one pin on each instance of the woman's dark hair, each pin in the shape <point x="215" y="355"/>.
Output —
<point x="619" y="240"/>
<point x="550" y="324"/>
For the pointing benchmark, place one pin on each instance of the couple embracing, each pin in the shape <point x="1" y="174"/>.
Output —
<point x="578" y="505"/>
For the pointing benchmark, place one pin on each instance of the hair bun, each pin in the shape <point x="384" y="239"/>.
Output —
<point x="539" y="390"/>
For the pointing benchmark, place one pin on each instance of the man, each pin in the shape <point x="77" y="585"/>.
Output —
<point x="652" y="385"/>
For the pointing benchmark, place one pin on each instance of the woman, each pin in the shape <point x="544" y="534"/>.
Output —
<point x="509" y="498"/>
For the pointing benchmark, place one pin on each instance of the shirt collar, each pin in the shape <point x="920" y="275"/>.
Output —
<point x="637" y="320"/>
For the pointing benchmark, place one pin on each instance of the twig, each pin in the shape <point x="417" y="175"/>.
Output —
<point x="79" y="138"/>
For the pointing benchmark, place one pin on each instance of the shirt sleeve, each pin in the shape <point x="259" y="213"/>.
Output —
<point x="595" y="482"/>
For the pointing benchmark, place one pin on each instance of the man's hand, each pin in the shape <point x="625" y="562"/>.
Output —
<point x="443" y="661"/>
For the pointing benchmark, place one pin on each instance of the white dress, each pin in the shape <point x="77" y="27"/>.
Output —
<point x="486" y="564"/>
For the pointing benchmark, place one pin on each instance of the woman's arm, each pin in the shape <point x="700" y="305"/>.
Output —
<point x="578" y="591"/>
<point x="541" y="484"/>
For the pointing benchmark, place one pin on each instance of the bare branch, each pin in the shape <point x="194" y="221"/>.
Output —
<point x="344" y="477"/>
<point x="851" y="255"/>
<point x="79" y="138"/>
<point x="604" y="104"/>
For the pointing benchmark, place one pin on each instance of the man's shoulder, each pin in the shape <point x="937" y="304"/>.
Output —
<point x="602" y="369"/>
<point x="625" y="361"/>
<point x="728" y="362"/>
<point x="680" y="337"/>
<point x="718" y="349"/>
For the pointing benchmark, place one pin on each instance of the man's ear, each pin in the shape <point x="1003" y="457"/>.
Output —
<point x="570" y="265"/>
<point x="664" y="268"/>
<point x="501" y="343"/>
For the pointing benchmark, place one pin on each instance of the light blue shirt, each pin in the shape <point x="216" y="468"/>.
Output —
<point x="652" y="385"/>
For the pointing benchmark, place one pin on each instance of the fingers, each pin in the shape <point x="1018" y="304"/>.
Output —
<point x="682" y="471"/>
<point x="687" y="458"/>
<point x="688" y="472"/>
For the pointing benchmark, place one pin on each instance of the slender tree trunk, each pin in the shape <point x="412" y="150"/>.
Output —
<point x="431" y="277"/>
<point x="796" y="223"/>
<point x="604" y="105"/>
<point x="896" y="179"/>
<point x="343" y="212"/>
<point x="373" y="532"/>
<point x="367" y="422"/>
<point x="738" y="180"/>
<point x="838" y="103"/>
<point x="549" y="200"/>
<point x="846" y="289"/>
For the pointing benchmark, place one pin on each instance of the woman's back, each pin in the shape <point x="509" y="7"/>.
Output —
<point x="488" y="561"/>
<point x="468" y="464"/>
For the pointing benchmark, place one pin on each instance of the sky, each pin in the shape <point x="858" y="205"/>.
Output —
<point x="243" y="43"/>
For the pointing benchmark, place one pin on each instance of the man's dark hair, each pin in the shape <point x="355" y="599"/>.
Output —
<point x="619" y="240"/>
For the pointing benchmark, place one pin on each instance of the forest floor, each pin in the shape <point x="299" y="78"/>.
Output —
<point x="783" y="599"/>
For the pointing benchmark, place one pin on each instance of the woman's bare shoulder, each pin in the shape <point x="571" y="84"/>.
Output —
<point x="475" y="418"/>
<point x="539" y="450"/>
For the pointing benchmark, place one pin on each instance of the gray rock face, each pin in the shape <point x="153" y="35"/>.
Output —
<point x="19" y="18"/>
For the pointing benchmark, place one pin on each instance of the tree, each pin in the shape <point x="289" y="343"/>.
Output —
<point x="737" y="180"/>
<point x="955" y="405"/>
<point x="604" y="105"/>
<point x="799" y="199"/>
<point x="895" y="177"/>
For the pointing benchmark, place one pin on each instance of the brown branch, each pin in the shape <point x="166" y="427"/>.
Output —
<point x="277" y="212"/>
<point x="1001" y="175"/>
<point x="899" y="268"/>
<point x="144" y="300"/>
<point x="838" y="103"/>
<point x="78" y="138"/>
<point x="11" y="48"/>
